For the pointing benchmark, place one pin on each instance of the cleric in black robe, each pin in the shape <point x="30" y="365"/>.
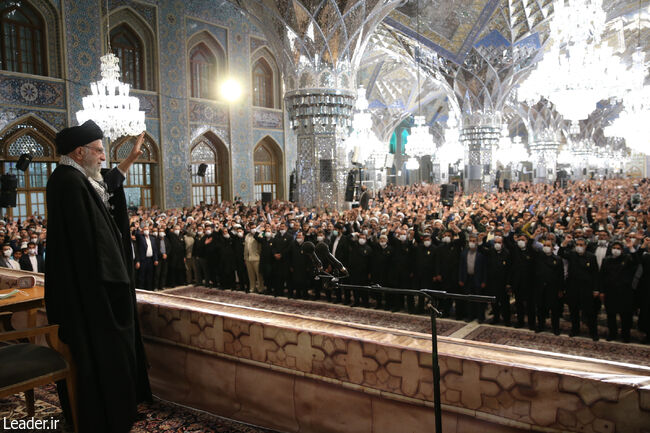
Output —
<point x="89" y="287"/>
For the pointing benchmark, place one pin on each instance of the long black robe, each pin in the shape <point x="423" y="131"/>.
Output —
<point x="89" y="293"/>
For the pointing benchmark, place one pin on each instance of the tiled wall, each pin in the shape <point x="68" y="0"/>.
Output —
<point x="172" y="119"/>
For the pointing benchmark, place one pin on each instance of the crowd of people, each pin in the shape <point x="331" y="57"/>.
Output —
<point x="586" y="245"/>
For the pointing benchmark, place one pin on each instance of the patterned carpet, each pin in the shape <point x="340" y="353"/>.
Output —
<point x="633" y="353"/>
<point x="323" y="310"/>
<point x="155" y="417"/>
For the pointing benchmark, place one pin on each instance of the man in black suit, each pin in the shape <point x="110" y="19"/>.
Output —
<point x="364" y="199"/>
<point x="280" y="250"/>
<point x="382" y="268"/>
<point x="549" y="286"/>
<point x="148" y="255"/>
<point x="448" y="256"/>
<point x="164" y="250"/>
<point x="424" y="270"/>
<point x="360" y="264"/>
<point x="472" y="280"/>
<point x="31" y="261"/>
<point x="301" y="269"/>
<point x="522" y="256"/>
<point x="176" y="269"/>
<point x="582" y="285"/>
<point x="498" y="277"/>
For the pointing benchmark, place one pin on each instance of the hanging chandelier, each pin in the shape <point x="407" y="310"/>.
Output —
<point x="511" y="151"/>
<point x="420" y="141"/>
<point x="578" y="71"/>
<point x="109" y="105"/>
<point x="362" y="141"/>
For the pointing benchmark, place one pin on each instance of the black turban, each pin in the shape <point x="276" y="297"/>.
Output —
<point x="69" y="139"/>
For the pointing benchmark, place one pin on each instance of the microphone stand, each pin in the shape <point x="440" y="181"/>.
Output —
<point x="331" y="281"/>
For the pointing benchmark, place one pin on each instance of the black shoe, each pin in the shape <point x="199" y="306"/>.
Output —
<point x="594" y="337"/>
<point x="494" y="321"/>
<point x="573" y="333"/>
<point x="556" y="331"/>
<point x="539" y="329"/>
<point x="611" y="337"/>
<point x="519" y="325"/>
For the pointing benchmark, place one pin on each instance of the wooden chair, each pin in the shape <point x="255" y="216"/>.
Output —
<point x="26" y="366"/>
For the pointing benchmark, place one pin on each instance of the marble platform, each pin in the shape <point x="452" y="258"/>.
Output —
<point x="302" y="372"/>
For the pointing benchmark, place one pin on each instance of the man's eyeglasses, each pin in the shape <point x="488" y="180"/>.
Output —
<point x="95" y="149"/>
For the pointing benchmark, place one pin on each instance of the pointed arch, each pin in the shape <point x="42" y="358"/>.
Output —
<point x="23" y="30"/>
<point x="207" y="65"/>
<point x="214" y="187"/>
<point x="140" y="38"/>
<point x="29" y="134"/>
<point x="268" y="168"/>
<point x="265" y="79"/>
<point x="142" y="184"/>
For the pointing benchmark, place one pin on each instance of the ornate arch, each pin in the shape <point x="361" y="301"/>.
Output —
<point x="211" y="45"/>
<point x="263" y="54"/>
<point x="268" y="163"/>
<point x="122" y="147"/>
<point x="146" y="35"/>
<point x="209" y="149"/>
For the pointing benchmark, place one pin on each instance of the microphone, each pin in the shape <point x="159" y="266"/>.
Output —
<point x="308" y="249"/>
<point x="323" y="251"/>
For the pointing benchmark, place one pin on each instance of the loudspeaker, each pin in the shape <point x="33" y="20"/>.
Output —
<point x="267" y="197"/>
<point x="349" y="186"/>
<point x="292" y="187"/>
<point x="447" y="191"/>
<point x="506" y="184"/>
<point x="202" y="169"/>
<point x="8" y="185"/>
<point x="23" y="161"/>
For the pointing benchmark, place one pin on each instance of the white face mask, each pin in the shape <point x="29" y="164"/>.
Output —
<point x="602" y="242"/>
<point x="521" y="244"/>
<point x="200" y="233"/>
<point x="616" y="252"/>
<point x="146" y="232"/>
<point x="383" y="244"/>
<point x="32" y="251"/>
<point x="208" y="232"/>
<point x="282" y="232"/>
<point x="547" y="250"/>
<point x="446" y="239"/>
<point x="402" y="238"/>
<point x="226" y="236"/>
<point x="7" y="253"/>
<point x="161" y="234"/>
<point x="300" y="240"/>
<point x="427" y="243"/>
<point x="497" y="247"/>
<point x="240" y="234"/>
<point x="362" y="241"/>
<point x="269" y="234"/>
<point x="177" y="232"/>
<point x="472" y="245"/>
<point x="320" y="238"/>
<point x="580" y="250"/>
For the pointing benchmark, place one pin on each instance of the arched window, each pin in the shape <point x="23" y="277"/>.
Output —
<point x="213" y="187"/>
<point x="23" y="41"/>
<point x="139" y="185"/>
<point x="128" y="48"/>
<point x="262" y="84"/>
<point x="29" y="136"/>
<point x="203" y="72"/>
<point x="267" y="162"/>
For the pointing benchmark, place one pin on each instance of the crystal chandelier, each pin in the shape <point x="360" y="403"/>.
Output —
<point x="362" y="140"/>
<point x="579" y="70"/>
<point x="511" y="151"/>
<point x="633" y="123"/>
<point x="109" y="105"/>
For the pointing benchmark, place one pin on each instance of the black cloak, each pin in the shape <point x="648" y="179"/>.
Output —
<point x="89" y="293"/>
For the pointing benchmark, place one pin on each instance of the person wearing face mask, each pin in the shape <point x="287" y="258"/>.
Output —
<point x="448" y="256"/>
<point x="643" y="292"/>
<point x="252" y="252"/>
<point x="402" y="261"/>
<point x="176" y="255"/>
<point x="425" y="269"/>
<point x="616" y="281"/>
<point x="600" y="247"/>
<point x="472" y="277"/>
<point x="31" y="261"/>
<point x="148" y="254"/>
<point x="340" y="249"/>
<point x="164" y="247"/>
<point x="265" y="238"/>
<point x="280" y="250"/>
<point x="6" y="260"/>
<point x="240" y="265"/>
<point x="188" y="243"/>
<point x="300" y="269"/>
<point x="198" y="253"/>
<point x="549" y="286"/>
<point x="582" y="285"/>
<point x="361" y="254"/>
<point x="227" y="266"/>
<point x="498" y="264"/>
<point x="211" y="256"/>
<point x="382" y="267"/>
<point x="522" y="278"/>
